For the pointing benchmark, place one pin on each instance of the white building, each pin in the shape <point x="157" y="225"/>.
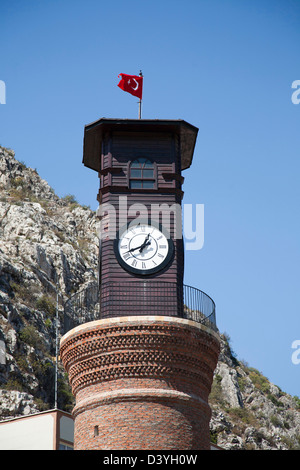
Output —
<point x="49" y="430"/>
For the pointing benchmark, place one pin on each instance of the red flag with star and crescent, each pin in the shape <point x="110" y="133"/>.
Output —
<point x="133" y="84"/>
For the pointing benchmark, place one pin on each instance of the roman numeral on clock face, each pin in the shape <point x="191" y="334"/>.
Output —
<point x="144" y="248"/>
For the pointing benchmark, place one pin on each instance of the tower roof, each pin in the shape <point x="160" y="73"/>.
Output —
<point x="94" y="132"/>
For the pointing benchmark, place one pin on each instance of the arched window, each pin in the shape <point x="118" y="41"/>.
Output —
<point x="141" y="174"/>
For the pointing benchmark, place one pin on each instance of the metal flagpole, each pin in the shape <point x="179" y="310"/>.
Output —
<point x="56" y="348"/>
<point x="140" y="102"/>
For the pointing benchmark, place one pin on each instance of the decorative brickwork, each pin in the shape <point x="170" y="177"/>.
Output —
<point x="141" y="382"/>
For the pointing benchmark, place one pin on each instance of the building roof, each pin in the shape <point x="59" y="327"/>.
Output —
<point x="93" y="135"/>
<point x="37" y="414"/>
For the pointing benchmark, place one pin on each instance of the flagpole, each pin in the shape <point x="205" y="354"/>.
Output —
<point x="140" y="102"/>
<point x="56" y="350"/>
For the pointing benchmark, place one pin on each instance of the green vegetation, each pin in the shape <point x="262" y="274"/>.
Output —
<point x="14" y="384"/>
<point x="20" y="191"/>
<point x="276" y="421"/>
<point x="46" y="304"/>
<point x="216" y="395"/>
<point x="259" y="380"/>
<point x="21" y="291"/>
<point x="275" y="401"/>
<point x="24" y="292"/>
<point x="71" y="200"/>
<point x="214" y="437"/>
<point x="30" y="336"/>
<point x="230" y="351"/>
<point x="242" y="415"/>
<point x="64" y="395"/>
<point x="18" y="182"/>
<point x="297" y="402"/>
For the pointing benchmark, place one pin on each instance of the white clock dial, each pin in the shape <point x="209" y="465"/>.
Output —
<point x="143" y="248"/>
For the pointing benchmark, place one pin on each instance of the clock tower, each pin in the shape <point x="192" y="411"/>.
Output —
<point x="142" y="372"/>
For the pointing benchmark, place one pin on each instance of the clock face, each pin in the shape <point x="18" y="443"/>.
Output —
<point x="143" y="248"/>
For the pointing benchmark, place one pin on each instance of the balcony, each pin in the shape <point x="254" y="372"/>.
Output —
<point x="139" y="298"/>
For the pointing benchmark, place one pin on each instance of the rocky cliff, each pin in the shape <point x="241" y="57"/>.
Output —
<point x="49" y="244"/>
<point x="248" y="411"/>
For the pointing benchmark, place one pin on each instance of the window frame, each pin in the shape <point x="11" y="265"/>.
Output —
<point x="142" y="179"/>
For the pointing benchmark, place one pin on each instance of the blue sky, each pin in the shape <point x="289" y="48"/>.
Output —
<point x="225" y="66"/>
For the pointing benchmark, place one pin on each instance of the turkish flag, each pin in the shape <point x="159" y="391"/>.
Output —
<point x="132" y="84"/>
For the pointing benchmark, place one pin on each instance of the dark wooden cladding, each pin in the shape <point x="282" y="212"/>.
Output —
<point x="163" y="208"/>
<point x="93" y="145"/>
<point x="120" y="149"/>
<point x="117" y="299"/>
<point x="111" y="270"/>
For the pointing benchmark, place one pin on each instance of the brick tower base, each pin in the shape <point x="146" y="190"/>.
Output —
<point x="141" y="382"/>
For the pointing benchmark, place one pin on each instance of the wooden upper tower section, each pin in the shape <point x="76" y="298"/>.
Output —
<point x="111" y="145"/>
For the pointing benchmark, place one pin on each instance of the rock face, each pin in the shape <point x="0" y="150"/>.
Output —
<point x="47" y="241"/>
<point x="249" y="412"/>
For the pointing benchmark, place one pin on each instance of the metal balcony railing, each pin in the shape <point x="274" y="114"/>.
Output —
<point x="138" y="298"/>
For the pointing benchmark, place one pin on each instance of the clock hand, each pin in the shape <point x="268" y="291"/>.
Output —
<point x="133" y="249"/>
<point x="141" y="247"/>
<point x="144" y="245"/>
<point x="137" y="247"/>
